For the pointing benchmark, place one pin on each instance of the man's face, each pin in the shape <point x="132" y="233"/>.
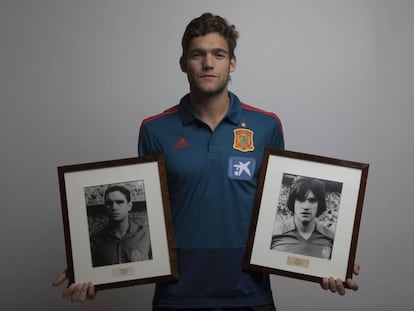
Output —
<point x="208" y="64"/>
<point x="306" y="208"/>
<point x="117" y="206"/>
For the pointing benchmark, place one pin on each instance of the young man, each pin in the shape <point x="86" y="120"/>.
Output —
<point x="303" y="233"/>
<point x="213" y="146"/>
<point x="121" y="240"/>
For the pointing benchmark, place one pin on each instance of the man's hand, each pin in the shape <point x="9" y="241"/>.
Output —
<point x="76" y="292"/>
<point x="337" y="286"/>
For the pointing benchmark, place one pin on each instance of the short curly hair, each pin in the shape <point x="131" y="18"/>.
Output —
<point x="209" y="23"/>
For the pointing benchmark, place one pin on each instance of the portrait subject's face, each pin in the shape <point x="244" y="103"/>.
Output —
<point x="117" y="206"/>
<point x="306" y="208"/>
<point x="208" y="64"/>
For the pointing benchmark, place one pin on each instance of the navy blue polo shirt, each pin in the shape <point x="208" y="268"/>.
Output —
<point x="212" y="177"/>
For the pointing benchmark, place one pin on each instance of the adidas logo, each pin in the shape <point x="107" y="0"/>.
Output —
<point x="181" y="143"/>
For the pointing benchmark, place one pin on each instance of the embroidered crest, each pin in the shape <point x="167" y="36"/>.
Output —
<point x="243" y="140"/>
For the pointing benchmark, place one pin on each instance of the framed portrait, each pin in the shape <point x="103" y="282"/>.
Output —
<point x="306" y="217"/>
<point x="117" y="222"/>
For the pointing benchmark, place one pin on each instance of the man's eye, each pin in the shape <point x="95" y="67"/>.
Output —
<point x="310" y="200"/>
<point x="195" y="55"/>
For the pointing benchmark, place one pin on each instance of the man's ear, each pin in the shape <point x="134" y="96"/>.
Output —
<point x="183" y="64"/>
<point x="233" y="63"/>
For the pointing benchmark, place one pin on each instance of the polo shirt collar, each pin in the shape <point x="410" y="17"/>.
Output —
<point x="233" y="114"/>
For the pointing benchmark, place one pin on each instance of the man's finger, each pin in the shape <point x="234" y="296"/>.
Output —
<point x="60" y="279"/>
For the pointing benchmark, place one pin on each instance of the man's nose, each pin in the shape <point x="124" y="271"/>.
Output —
<point x="306" y="204"/>
<point x="208" y="61"/>
<point x="112" y="205"/>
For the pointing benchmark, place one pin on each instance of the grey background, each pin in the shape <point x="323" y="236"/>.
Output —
<point x="78" y="77"/>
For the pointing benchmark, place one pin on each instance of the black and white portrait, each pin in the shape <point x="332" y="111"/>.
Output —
<point x="306" y="216"/>
<point x="118" y="223"/>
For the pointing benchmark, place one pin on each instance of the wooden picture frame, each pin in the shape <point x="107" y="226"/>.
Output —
<point x="95" y="248"/>
<point x="278" y="242"/>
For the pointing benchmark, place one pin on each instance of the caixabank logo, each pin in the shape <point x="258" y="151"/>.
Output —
<point x="241" y="168"/>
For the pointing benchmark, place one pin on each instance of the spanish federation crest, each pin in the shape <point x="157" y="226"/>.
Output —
<point x="243" y="140"/>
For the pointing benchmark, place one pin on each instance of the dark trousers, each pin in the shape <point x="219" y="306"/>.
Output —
<point x="254" y="308"/>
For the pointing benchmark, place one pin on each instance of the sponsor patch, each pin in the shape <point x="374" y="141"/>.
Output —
<point x="241" y="168"/>
<point x="243" y="140"/>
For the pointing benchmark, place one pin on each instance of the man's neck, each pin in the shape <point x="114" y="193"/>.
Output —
<point x="210" y="109"/>
<point x="305" y="229"/>
<point x="119" y="229"/>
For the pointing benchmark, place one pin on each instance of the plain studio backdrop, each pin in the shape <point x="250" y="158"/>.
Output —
<point x="78" y="77"/>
